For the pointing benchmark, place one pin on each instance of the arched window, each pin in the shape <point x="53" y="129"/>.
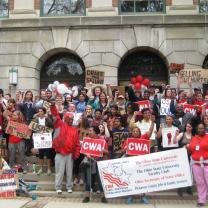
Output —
<point x="205" y="63"/>
<point x="145" y="62"/>
<point x="63" y="67"/>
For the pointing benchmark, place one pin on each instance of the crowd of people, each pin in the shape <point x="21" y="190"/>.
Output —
<point x="99" y="113"/>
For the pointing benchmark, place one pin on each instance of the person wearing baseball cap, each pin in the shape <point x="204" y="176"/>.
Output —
<point x="67" y="146"/>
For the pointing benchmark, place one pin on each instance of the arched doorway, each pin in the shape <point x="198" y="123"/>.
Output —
<point x="64" y="67"/>
<point x="148" y="62"/>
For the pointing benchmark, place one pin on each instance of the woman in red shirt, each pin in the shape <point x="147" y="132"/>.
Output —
<point x="199" y="154"/>
<point x="17" y="143"/>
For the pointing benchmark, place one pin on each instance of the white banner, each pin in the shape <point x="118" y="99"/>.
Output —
<point x="42" y="141"/>
<point x="143" y="174"/>
<point x="165" y="107"/>
<point x="169" y="137"/>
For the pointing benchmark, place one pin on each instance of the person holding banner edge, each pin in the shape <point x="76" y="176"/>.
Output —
<point x="90" y="163"/>
<point x="136" y="133"/>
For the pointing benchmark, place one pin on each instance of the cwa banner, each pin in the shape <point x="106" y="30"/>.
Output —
<point x="141" y="174"/>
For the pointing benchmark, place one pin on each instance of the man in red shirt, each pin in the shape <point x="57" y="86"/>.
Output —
<point x="67" y="146"/>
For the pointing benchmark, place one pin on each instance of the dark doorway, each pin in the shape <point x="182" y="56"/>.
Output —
<point x="63" y="67"/>
<point x="146" y="62"/>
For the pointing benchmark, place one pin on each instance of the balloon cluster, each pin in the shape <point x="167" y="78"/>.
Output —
<point x="63" y="89"/>
<point x="139" y="82"/>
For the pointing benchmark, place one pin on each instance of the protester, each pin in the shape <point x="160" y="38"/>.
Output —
<point x="67" y="146"/>
<point x="199" y="154"/>
<point x="42" y="119"/>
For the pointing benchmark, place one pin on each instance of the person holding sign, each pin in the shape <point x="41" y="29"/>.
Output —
<point x="17" y="143"/>
<point x="168" y="132"/>
<point x="67" y="146"/>
<point x="92" y="165"/>
<point x="198" y="148"/>
<point x="43" y="120"/>
<point x="136" y="134"/>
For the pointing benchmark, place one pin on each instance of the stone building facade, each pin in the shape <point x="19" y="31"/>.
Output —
<point x="103" y="38"/>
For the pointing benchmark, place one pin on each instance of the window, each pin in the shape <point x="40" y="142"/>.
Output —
<point x="136" y="6"/>
<point x="63" y="7"/>
<point x="4" y="12"/>
<point x="203" y="6"/>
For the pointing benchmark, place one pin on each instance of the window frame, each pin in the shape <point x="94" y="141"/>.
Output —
<point x="60" y="15"/>
<point x="4" y="17"/>
<point x="140" y="13"/>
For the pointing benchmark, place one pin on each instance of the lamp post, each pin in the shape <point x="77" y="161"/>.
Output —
<point x="13" y="72"/>
<point x="13" y="78"/>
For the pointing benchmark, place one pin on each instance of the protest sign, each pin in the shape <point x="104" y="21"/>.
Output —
<point x="187" y="108"/>
<point x="42" y="141"/>
<point x="169" y="137"/>
<point x="143" y="104"/>
<point x="141" y="174"/>
<point x="93" y="147"/>
<point x="144" y="128"/>
<point x="118" y="139"/>
<point x="46" y="105"/>
<point x="96" y="77"/>
<point x="18" y="129"/>
<point x="194" y="75"/>
<point x="8" y="183"/>
<point x="137" y="146"/>
<point x="165" y="107"/>
<point x="39" y="128"/>
<point x="121" y="89"/>
<point x="174" y="67"/>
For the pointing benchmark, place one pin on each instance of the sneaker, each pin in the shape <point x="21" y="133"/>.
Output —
<point x="69" y="191"/>
<point x="76" y="181"/>
<point x="180" y="192"/>
<point x="144" y="200"/>
<point x="40" y="171"/>
<point x="104" y="200"/>
<point x="200" y="204"/>
<point x="49" y="172"/>
<point x="130" y="200"/>
<point x="86" y="200"/>
<point x="24" y="172"/>
<point x="59" y="191"/>
<point x="81" y="182"/>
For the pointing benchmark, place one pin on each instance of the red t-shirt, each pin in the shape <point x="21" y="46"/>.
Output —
<point x="14" y="139"/>
<point x="199" y="147"/>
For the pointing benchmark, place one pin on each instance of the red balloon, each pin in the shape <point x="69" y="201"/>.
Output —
<point x="133" y="80"/>
<point x="146" y="82"/>
<point x="139" y="78"/>
<point x="137" y="86"/>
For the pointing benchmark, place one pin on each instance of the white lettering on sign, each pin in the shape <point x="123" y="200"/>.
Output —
<point x="92" y="146"/>
<point x="138" y="146"/>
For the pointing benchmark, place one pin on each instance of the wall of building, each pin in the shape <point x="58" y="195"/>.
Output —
<point x="100" y="42"/>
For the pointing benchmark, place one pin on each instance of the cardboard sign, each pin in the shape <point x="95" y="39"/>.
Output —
<point x="143" y="104"/>
<point x="169" y="137"/>
<point x="145" y="173"/>
<point x="93" y="147"/>
<point x="8" y="183"/>
<point x="189" y="109"/>
<point x="39" y="128"/>
<point x="42" y="141"/>
<point x="121" y="89"/>
<point x="96" y="77"/>
<point x="165" y="107"/>
<point x="46" y="105"/>
<point x="194" y="75"/>
<point x="137" y="146"/>
<point x="18" y="129"/>
<point x="118" y="139"/>
<point x="176" y="67"/>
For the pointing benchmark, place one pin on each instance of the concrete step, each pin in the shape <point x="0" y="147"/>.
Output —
<point x="165" y="195"/>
